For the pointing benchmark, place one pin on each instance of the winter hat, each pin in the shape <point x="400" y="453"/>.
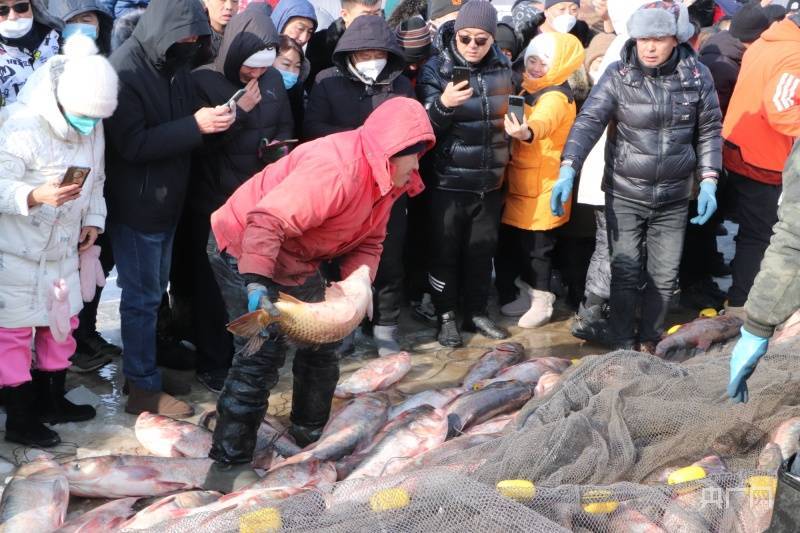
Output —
<point x="749" y="23"/>
<point x="774" y="12"/>
<point x="550" y="3"/>
<point x="413" y="149"/>
<point x="542" y="46"/>
<point x="261" y="59"/>
<point x="414" y="37"/>
<point x="478" y="14"/>
<point x="88" y="85"/>
<point x="440" y="8"/>
<point x="598" y="47"/>
<point x="507" y="39"/>
<point x="661" y="19"/>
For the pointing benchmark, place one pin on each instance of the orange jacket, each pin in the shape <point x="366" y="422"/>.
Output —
<point x="764" y="113"/>
<point x="534" y="166"/>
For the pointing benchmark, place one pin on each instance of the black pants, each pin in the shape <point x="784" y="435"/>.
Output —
<point x="756" y="213"/>
<point x="88" y="315"/>
<point x="524" y="254"/>
<point x="629" y="224"/>
<point x="388" y="294"/>
<point x="463" y="240"/>
<point x="700" y="252"/>
<point x="416" y="247"/>
<point x="243" y="400"/>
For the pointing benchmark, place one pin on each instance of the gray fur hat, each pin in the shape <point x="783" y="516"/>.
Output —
<point x="661" y="19"/>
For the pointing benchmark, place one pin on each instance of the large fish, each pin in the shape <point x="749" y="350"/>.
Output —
<point x="789" y="330"/>
<point x="331" y="320"/>
<point x="629" y="520"/>
<point x="449" y="450"/>
<point x="271" y="436"/>
<point x="526" y="372"/>
<point x="309" y="474"/>
<point x="120" y="476"/>
<point x="492" y="426"/>
<point x="419" y="430"/>
<point x="700" y="333"/>
<point x="166" y="437"/>
<point x="770" y="458"/>
<point x="787" y="437"/>
<point x="35" y="499"/>
<point x="435" y="398"/>
<point x="474" y="407"/>
<point x="353" y="425"/>
<point x="546" y="383"/>
<point x="501" y="356"/>
<point x="169" y="508"/>
<point x="108" y="517"/>
<point x="378" y="374"/>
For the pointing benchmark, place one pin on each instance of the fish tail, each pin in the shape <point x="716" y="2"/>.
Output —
<point x="251" y="324"/>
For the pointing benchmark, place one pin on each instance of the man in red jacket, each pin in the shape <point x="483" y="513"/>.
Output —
<point x="328" y="199"/>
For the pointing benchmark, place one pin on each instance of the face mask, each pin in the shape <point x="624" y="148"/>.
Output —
<point x="89" y="30"/>
<point x="14" y="29"/>
<point x="289" y="79"/>
<point x="371" y="68"/>
<point x="182" y="54"/>
<point x="84" y="125"/>
<point x="564" y="23"/>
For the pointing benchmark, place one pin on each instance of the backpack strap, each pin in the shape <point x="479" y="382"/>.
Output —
<point x="532" y="98"/>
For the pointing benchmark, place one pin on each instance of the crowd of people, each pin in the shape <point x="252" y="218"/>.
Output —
<point x="216" y="152"/>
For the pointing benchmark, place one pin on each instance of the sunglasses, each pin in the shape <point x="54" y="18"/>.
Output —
<point x="19" y="8"/>
<point x="467" y="39"/>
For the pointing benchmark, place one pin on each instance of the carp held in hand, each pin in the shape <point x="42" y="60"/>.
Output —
<point x="345" y="305"/>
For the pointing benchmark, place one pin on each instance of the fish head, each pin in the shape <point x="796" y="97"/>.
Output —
<point x="85" y="473"/>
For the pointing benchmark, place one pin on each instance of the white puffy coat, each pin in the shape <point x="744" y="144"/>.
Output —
<point x="40" y="244"/>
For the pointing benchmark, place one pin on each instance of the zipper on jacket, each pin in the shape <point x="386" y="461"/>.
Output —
<point x="660" y="145"/>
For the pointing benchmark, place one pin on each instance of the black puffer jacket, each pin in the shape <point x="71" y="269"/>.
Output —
<point x="340" y="100"/>
<point x="471" y="150"/>
<point x="722" y="53"/>
<point x="663" y="127"/>
<point x="229" y="159"/>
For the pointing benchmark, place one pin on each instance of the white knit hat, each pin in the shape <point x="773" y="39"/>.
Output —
<point x="542" y="46"/>
<point x="88" y="85"/>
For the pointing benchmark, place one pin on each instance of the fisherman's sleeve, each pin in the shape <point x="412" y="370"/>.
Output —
<point x="776" y="292"/>
<point x="429" y="92"/>
<point x="709" y="128"/>
<point x="592" y="120"/>
<point x="781" y="101"/>
<point x="279" y="215"/>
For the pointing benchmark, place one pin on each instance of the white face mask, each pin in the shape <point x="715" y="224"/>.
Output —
<point x="564" y="23"/>
<point x="371" y="68"/>
<point x="14" y="29"/>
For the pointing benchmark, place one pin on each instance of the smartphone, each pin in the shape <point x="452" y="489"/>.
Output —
<point x="516" y="107"/>
<point x="460" y="74"/>
<point x="75" y="176"/>
<point x="235" y="98"/>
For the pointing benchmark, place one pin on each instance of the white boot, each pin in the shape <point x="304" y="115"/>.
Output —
<point x="523" y="302"/>
<point x="541" y="310"/>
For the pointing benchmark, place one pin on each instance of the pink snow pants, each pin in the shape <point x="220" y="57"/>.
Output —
<point x="15" y="352"/>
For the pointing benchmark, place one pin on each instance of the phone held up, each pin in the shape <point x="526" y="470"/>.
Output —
<point x="460" y="74"/>
<point x="75" y="176"/>
<point x="235" y="98"/>
<point x="516" y="107"/>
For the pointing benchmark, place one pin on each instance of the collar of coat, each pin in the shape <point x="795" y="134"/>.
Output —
<point x="446" y="45"/>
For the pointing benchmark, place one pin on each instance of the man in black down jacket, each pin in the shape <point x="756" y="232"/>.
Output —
<point x="664" y="129"/>
<point x="368" y="71"/>
<point x="465" y="170"/>
<point x="226" y="161"/>
<point x="149" y="142"/>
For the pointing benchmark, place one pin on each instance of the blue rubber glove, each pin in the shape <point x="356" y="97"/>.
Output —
<point x="744" y="359"/>
<point x="706" y="202"/>
<point x="561" y="190"/>
<point x="260" y="297"/>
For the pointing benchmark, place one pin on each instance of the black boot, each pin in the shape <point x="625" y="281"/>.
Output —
<point x="485" y="326"/>
<point x="52" y="407"/>
<point x="303" y="435"/>
<point x="22" y="424"/>
<point x="591" y="323"/>
<point x="315" y="373"/>
<point x="448" y="331"/>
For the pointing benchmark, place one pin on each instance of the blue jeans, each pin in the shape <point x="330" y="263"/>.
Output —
<point x="143" y="262"/>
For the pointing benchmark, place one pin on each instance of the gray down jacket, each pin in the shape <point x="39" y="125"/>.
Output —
<point x="664" y="127"/>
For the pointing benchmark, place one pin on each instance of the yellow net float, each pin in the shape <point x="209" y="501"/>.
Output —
<point x="599" y="502"/>
<point x="761" y="487"/>
<point x="708" y="312"/>
<point x="517" y="489"/>
<point x="389" y="499"/>
<point x="261" y="521"/>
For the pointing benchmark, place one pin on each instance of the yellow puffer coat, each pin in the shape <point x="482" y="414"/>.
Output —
<point x="534" y="166"/>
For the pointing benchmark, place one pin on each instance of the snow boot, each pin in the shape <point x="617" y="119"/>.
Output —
<point x="520" y="306"/>
<point x="386" y="339"/>
<point x="22" y="424"/>
<point x="53" y="407"/>
<point x="541" y="310"/>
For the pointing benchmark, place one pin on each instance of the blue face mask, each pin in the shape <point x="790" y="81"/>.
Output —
<point x="289" y="79"/>
<point x="84" y="125"/>
<point x="71" y="29"/>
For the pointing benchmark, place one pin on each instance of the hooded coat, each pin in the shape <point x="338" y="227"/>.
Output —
<point x="722" y="53"/>
<point x="151" y="135"/>
<point x="346" y="187"/>
<point x="534" y="166"/>
<point x="288" y="9"/>
<point x="663" y="128"/>
<point x="472" y="149"/>
<point x="40" y="244"/>
<point x="229" y="159"/>
<point x="16" y="64"/>
<point x="341" y="100"/>
<point x="66" y="9"/>
<point x="320" y="49"/>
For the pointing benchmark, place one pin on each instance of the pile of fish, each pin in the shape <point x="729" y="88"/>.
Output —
<point x="700" y="333"/>
<point x="367" y="437"/>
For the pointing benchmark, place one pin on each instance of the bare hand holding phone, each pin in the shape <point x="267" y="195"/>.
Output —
<point x="214" y="119"/>
<point x="456" y="95"/>
<point x="54" y="195"/>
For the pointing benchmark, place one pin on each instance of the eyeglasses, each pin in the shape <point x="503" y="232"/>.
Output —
<point x="19" y="8"/>
<point x="467" y="39"/>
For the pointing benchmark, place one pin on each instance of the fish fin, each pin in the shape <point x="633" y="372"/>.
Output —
<point x="369" y="307"/>
<point x="288" y="298"/>
<point x="251" y="324"/>
<point x="253" y="345"/>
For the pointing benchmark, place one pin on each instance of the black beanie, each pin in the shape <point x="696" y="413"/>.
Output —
<point x="550" y="3"/>
<point x="506" y="38"/>
<point x="478" y="14"/>
<point x="774" y="12"/>
<point x="413" y="149"/>
<point x="749" y="23"/>
<point x="440" y="8"/>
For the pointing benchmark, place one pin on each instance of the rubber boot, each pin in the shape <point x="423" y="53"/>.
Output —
<point x="540" y="312"/>
<point x="485" y="326"/>
<point x="303" y="436"/>
<point x="52" y="406"/>
<point x="316" y="373"/>
<point x="386" y="339"/>
<point x="591" y="323"/>
<point x="22" y="424"/>
<point x="227" y="477"/>
<point x="448" y="331"/>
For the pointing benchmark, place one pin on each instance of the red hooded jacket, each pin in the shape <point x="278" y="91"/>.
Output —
<point x="328" y="198"/>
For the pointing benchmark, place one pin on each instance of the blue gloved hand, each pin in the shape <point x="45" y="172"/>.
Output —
<point x="744" y="359"/>
<point x="561" y="190"/>
<point x="259" y="296"/>
<point x="706" y="202"/>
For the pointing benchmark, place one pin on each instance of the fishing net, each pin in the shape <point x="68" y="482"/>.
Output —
<point x="597" y="451"/>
